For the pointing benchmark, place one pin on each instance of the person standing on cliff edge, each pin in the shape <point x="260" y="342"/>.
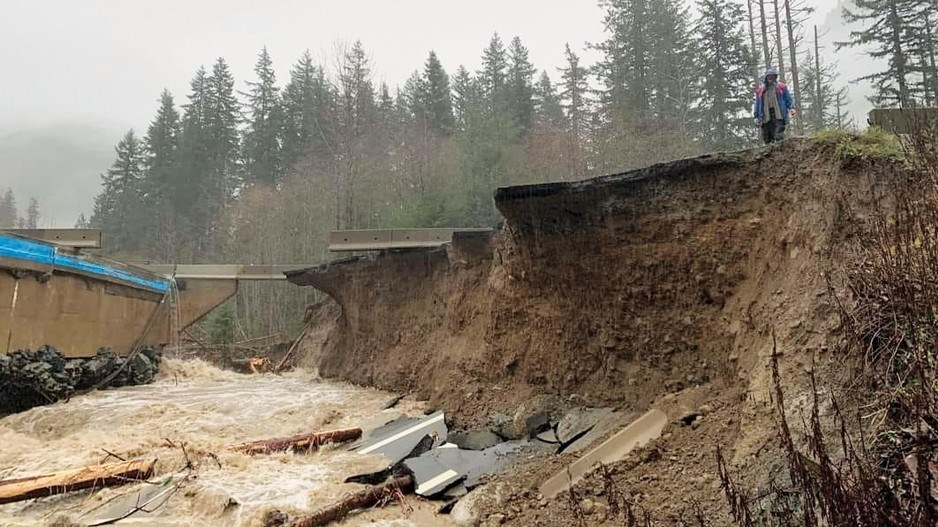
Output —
<point x="774" y="105"/>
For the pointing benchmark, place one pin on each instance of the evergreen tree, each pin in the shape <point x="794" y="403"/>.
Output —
<point x="436" y="97"/>
<point x="548" y="108"/>
<point x="723" y="111"/>
<point x="262" y="149"/>
<point x="464" y="94"/>
<point x="925" y="49"/>
<point x="162" y="151"/>
<point x="389" y="115"/>
<point x="193" y="164"/>
<point x="306" y="101"/>
<point x="493" y="77"/>
<point x="223" y="169"/>
<point x="163" y="179"/>
<point x="222" y="118"/>
<point x="413" y="94"/>
<point x="32" y="214"/>
<point x="118" y="209"/>
<point x="625" y="68"/>
<point x="8" y="214"/>
<point x="521" y="85"/>
<point x="573" y="94"/>
<point x="356" y="117"/>
<point x="887" y="33"/>
<point x="673" y="72"/>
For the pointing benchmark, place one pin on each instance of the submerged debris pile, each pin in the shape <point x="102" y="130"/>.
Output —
<point x="44" y="376"/>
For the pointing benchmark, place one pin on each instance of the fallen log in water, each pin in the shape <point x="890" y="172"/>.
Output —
<point x="95" y="476"/>
<point x="379" y="495"/>
<point x="299" y="442"/>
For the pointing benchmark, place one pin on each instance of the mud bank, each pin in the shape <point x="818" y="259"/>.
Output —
<point x="658" y="287"/>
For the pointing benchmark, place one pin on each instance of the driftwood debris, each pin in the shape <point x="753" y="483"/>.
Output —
<point x="286" y="356"/>
<point x="299" y="442"/>
<point x="91" y="477"/>
<point x="380" y="495"/>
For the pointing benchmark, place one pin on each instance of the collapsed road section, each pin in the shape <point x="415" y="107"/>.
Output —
<point x="670" y="286"/>
<point x="423" y="461"/>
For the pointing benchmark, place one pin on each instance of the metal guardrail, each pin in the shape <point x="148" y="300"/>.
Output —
<point x="77" y="238"/>
<point x="387" y="239"/>
<point x="904" y="121"/>
<point x="221" y="271"/>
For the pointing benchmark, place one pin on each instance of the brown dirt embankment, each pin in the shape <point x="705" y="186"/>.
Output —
<point x="661" y="286"/>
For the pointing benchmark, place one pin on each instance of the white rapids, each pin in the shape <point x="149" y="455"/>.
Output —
<point x="207" y="410"/>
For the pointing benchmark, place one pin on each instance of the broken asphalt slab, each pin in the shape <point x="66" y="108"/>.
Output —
<point x="419" y="446"/>
<point x="474" y="440"/>
<point x="398" y="438"/>
<point x="448" y="464"/>
<point x="637" y="434"/>
<point x="141" y="502"/>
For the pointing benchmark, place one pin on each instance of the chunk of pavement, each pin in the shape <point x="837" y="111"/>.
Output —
<point x="581" y="426"/>
<point x="139" y="503"/>
<point x="575" y="421"/>
<point x="474" y="440"/>
<point x="431" y="476"/>
<point x="398" y="438"/>
<point x="440" y="469"/>
<point x="639" y="433"/>
<point x="456" y="491"/>
<point x="376" y="478"/>
<point x="548" y="436"/>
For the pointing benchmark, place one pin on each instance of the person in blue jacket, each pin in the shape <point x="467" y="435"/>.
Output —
<point x="774" y="105"/>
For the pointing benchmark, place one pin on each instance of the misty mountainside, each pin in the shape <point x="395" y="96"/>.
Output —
<point x="58" y="164"/>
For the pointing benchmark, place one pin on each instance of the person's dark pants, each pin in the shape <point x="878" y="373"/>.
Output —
<point x="773" y="131"/>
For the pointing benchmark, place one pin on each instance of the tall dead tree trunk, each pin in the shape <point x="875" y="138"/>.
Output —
<point x="766" y="52"/>
<point x="752" y="39"/>
<point x="778" y="41"/>
<point x="793" y="55"/>
<point x="930" y="52"/>
<point x="819" y="86"/>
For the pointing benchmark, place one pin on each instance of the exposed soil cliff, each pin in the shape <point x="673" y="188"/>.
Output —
<point x="662" y="286"/>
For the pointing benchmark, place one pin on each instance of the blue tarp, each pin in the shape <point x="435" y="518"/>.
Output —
<point x="16" y="248"/>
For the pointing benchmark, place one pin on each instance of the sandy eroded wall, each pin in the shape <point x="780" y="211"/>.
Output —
<point x="618" y="289"/>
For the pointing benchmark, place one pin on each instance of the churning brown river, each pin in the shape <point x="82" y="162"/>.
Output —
<point x="207" y="410"/>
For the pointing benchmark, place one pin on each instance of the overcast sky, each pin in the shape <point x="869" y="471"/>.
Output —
<point x="107" y="61"/>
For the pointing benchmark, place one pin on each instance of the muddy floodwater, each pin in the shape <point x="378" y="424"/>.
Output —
<point x="206" y="410"/>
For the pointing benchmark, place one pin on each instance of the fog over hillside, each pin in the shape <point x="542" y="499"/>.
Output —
<point x="60" y="164"/>
<point x="851" y="62"/>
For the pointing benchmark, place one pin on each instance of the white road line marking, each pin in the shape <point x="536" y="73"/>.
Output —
<point x="427" y="485"/>
<point x="400" y="435"/>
